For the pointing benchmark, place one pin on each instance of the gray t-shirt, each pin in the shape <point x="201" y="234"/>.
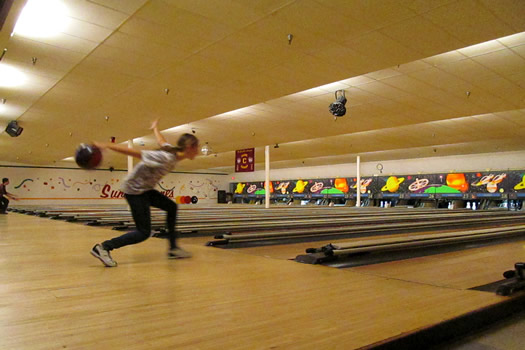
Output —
<point x="149" y="171"/>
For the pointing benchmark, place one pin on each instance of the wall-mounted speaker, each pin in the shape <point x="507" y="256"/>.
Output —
<point x="13" y="129"/>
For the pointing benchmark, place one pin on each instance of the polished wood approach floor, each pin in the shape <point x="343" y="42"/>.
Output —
<point x="55" y="295"/>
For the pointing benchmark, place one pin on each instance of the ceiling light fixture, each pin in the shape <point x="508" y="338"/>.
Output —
<point x="42" y="19"/>
<point x="11" y="77"/>
<point x="206" y="149"/>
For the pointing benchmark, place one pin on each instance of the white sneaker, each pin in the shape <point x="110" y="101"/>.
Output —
<point x="103" y="255"/>
<point x="178" y="253"/>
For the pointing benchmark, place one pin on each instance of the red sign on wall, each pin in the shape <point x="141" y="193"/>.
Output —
<point x="245" y="160"/>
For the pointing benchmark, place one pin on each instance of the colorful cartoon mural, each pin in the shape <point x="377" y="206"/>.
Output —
<point x="71" y="184"/>
<point x="392" y="184"/>
<point x="457" y="182"/>
<point x="300" y="186"/>
<point x="282" y="187"/>
<point x="240" y="188"/>
<point x="418" y="185"/>
<point x="464" y="185"/>
<point x="490" y="181"/>
<point x="341" y="184"/>
<point x="521" y="185"/>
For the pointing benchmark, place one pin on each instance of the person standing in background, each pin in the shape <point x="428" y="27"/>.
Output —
<point x="4" y="195"/>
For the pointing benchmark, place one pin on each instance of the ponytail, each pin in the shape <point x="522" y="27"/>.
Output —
<point x="184" y="142"/>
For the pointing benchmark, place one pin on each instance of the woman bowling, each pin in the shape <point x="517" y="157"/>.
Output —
<point x="139" y="191"/>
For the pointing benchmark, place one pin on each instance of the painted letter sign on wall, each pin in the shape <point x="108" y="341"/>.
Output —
<point x="245" y="160"/>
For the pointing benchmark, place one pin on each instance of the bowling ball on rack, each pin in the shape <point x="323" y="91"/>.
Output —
<point x="194" y="199"/>
<point x="187" y="199"/>
<point x="88" y="156"/>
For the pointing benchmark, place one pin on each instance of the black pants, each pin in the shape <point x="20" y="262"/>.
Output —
<point x="140" y="209"/>
<point x="4" y="202"/>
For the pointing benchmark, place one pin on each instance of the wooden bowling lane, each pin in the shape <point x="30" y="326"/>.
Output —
<point x="290" y="251"/>
<point x="461" y="269"/>
<point x="56" y="296"/>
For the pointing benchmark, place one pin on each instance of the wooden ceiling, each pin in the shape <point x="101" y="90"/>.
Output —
<point x="423" y="78"/>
